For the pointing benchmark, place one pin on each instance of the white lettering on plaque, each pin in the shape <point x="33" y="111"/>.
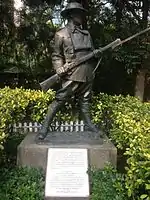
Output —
<point x="66" y="174"/>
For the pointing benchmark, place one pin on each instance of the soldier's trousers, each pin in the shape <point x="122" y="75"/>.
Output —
<point x="70" y="88"/>
<point x="81" y="90"/>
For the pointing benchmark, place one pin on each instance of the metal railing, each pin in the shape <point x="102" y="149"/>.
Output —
<point x="77" y="126"/>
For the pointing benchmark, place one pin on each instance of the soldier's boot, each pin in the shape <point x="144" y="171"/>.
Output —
<point x="85" y="114"/>
<point x="52" y="110"/>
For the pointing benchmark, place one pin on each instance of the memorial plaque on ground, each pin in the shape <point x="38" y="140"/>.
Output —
<point x="66" y="175"/>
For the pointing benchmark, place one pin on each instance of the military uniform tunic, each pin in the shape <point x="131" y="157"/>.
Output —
<point x="72" y="43"/>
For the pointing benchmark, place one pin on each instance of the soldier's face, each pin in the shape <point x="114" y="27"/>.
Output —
<point x="78" y="17"/>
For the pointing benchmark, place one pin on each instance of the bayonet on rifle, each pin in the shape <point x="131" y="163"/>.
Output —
<point x="132" y="37"/>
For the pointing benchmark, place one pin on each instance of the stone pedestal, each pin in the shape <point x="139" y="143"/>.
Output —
<point x="33" y="154"/>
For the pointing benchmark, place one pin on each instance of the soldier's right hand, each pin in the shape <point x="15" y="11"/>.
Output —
<point x="60" y="71"/>
<point x="97" y="53"/>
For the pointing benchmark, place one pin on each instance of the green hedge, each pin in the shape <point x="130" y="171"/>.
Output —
<point x="125" y="119"/>
<point x="128" y="122"/>
<point x="107" y="184"/>
<point x="17" y="104"/>
<point x="21" y="184"/>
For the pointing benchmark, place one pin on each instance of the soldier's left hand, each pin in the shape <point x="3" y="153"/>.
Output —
<point x="60" y="71"/>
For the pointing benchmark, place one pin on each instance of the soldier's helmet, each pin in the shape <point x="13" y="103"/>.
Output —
<point x="72" y="6"/>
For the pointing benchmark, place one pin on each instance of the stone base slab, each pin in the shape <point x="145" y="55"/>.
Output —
<point x="72" y="138"/>
<point x="32" y="154"/>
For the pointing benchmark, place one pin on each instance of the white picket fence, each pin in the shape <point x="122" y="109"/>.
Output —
<point x="57" y="126"/>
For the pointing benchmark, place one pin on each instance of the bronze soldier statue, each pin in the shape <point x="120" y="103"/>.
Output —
<point x="71" y="43"/>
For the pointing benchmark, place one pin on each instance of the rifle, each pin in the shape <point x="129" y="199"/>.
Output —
<point x="48" y="83"/>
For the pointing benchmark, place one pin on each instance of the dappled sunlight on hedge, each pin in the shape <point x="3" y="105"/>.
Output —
<point x="16" y="104"/>
<point x="127" y="121"/>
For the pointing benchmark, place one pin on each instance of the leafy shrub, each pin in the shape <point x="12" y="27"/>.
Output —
<point x="128" y="122"/>
<point x="107" y="184"/>
<point x="17" y="104"/>
<point x="21" y="184"/>
<point x="9" y="155"/>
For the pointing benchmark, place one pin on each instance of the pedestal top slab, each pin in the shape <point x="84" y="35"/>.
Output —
<point x="59" y="138"/>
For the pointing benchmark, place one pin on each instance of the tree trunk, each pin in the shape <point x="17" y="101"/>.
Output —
<point x="147" y="88"/>
<point x="145" y="10"/>
<point x="140" y="84"/>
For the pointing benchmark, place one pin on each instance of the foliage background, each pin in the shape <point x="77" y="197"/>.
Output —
<point x="26" y="48"/>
